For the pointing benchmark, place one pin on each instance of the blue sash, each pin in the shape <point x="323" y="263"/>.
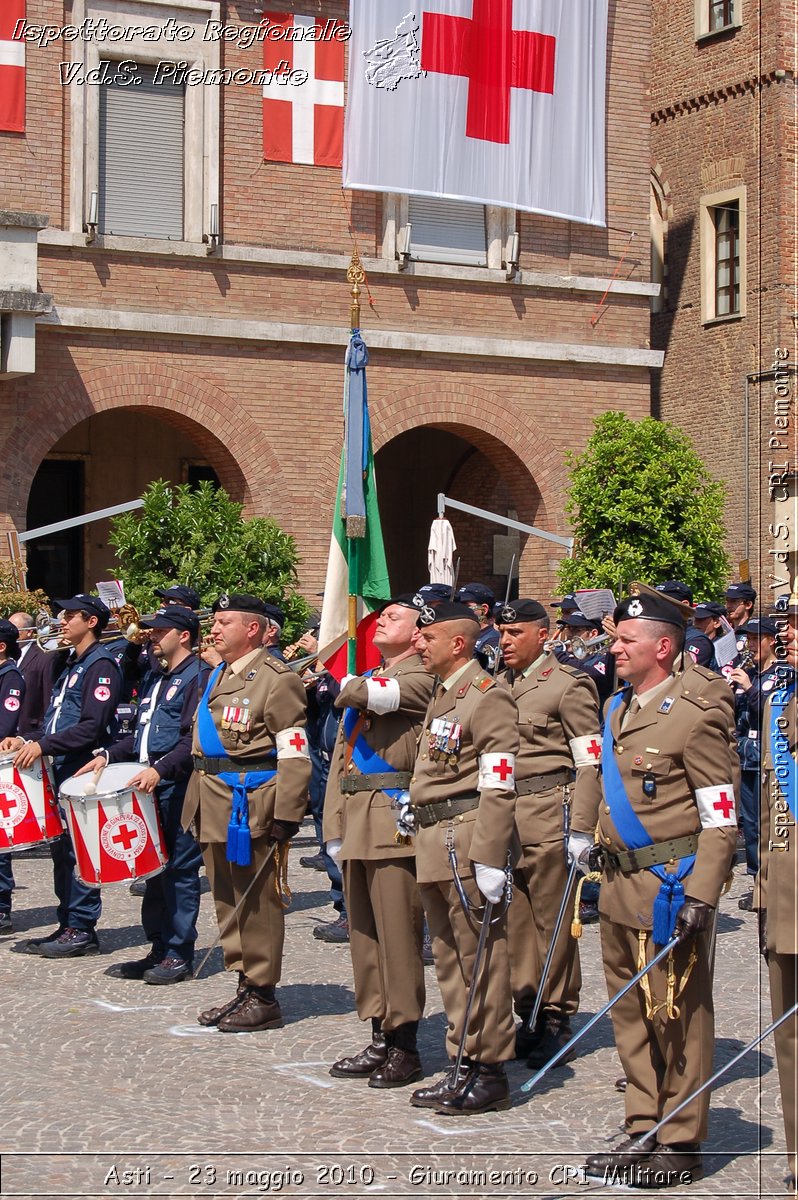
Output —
<point x="780" y="748"/>
<point x="239" y="838"/>
<point x="367" y="761"/>
<point x="671" y="893"/>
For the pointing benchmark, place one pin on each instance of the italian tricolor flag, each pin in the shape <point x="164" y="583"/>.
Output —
<point x="357" y="566"/>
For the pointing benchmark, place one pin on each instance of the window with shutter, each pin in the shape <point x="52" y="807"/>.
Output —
<point x="447" y="231"/>
<point x="141" y="157"/>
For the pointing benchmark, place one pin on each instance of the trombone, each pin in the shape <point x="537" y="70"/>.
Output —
<point x="582" y="648"/>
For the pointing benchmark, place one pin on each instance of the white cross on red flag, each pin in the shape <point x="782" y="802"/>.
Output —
<point x="495" y="101"/>
<point x="303" y="122"/>
<point x="12" y="68"/>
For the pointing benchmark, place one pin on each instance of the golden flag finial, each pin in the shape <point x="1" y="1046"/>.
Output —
<point x="355" y="274"/>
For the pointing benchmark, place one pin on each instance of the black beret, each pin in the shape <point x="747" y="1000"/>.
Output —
<point x="649" y="604"/>
<point x="242" y="603"/>
<point x="476" y="593"/>
<point x="740" y="591"/>
<point x="184" y="596"/>
<point x="446" y="610"/>
<point x="412" y="600"/>
<point x="275" y="614"/>
<point x="521" y="610"/>
<point x="676" y="590"/>
<point x="172" y="616"/>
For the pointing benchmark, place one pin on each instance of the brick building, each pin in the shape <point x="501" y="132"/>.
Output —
<point x="724" y="241"/>
<point x="166" y="352"/>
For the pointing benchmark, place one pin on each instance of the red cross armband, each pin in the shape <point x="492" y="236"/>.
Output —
<point x="716" y="805"/>
<point x="586" y="751"/>
<point x="292" y="743"/>
<point x="382" y="695"/>
<point x="497" y="771"/>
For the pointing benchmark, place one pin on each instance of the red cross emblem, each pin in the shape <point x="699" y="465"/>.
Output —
<point x="724" y="805"/>
<point x="379" y="680"/>
<point x="125" y="837"/>
<point x="298" y="742"/>
<point x="595" y="749"/>
<point x="503" y="770"/>
<point x="493" y="57"/>
<point x="7" y="805"/>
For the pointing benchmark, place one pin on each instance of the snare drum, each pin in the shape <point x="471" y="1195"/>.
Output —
<point x="116" y="832"/>
<point x="29" y="813"/>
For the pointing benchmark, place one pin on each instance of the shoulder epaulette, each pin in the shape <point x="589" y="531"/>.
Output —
<point x="276" y="665"/>
<point x="483" y="682"/>
<point x="695" y="696"/>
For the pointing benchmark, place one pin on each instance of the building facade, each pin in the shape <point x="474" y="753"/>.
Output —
<point x="184" y="308"/>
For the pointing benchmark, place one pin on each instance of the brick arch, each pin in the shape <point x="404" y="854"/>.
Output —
<point x="231" y="440"/>
<point x="490" y="423"/>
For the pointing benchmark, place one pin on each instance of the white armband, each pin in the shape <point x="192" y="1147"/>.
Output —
<point x="292" y="743"/>
<point x="586" y="751"/>
<point x="716" y="805"/>
<point x="382" y="695"/>
<point x="497" y="771"/>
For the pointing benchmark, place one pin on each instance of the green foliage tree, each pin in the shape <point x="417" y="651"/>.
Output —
<point x="14" y="599"/>
<point x="643" y="506"/>
<point x="200" y="539"/>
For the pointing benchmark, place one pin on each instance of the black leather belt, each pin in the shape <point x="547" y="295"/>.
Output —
<point x="444" y="810"/>
<point x="374" y="783"/>
<point x="651" y="856"/>
<point x="216" y="766"/>
<point x="542" y="783"/>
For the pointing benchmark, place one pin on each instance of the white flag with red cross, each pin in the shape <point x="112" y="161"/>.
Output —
<point x="494" y="101"/>
<point x="12" y="67"/>
<point x="303" y="122"/>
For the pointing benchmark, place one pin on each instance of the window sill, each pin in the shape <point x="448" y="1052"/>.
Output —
<point x="708" y="322"/>
<point x="712" y="34"/>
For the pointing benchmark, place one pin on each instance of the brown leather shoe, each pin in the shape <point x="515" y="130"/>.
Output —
<point x="486" y="1089"/>
<point x="627" y="1153"/>
<point x="212" y="1016"/>
<point x="669" y="1166"/>
<point x="400" y="1068"/>
<point x="360" y="1066"/>
<point x="259" y="1010"/>
<point x="430" y="1097"/>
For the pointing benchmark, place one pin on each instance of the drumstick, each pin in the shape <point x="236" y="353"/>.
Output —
<point x="91" y="784"/>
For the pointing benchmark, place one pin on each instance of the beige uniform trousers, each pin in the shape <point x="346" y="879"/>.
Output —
<point x="664" y="1060"/>
<point x="386" y="933"/>
<point x="491" y="1031"/>
<point x="253" y="940"/>
<point x="783" y="971"/>
<point x="540" y="879"/>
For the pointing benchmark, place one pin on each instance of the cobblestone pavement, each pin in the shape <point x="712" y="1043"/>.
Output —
<point x="105" y="1076"/>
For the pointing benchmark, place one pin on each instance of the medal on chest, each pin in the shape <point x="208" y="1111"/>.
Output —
<point x="235" y="719"/>
<point x="444" y="740"/>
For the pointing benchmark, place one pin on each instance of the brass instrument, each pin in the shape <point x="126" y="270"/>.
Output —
<point x="553" y="643"/>
<point x="582" y="648"/>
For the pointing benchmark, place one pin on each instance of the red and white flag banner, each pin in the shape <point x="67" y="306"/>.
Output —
<point x="303" y="122"/>
<point x="12" y="67"/>
<point x="493" y="101"/>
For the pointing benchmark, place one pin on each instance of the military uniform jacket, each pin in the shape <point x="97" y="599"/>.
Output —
<point x="365" y="821"/>
<point x="777" y="881"/>
<point x="558" y="722"/>
<point x="488" y="719"/>
<point x="683" y="742"/>
<point x="274" y="698"/>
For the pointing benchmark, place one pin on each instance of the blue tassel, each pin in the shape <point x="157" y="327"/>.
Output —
<point x="232" y="839"/>
<point x="669" y="900"/>
<point x="244" y="857"/>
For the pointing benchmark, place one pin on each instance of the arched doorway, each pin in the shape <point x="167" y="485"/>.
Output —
<point x="472" y="466"/>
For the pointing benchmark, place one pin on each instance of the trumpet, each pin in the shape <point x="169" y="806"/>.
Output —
<point x="553" y="643"/>
<point x="582" y="648"/>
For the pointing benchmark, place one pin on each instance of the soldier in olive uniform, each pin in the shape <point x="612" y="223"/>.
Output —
<point x="369" y="776"/>
<point x="776" y="891"/>
<point x="463" y="801"/>
<point x="558" y="721"/>
<point x="248" y="791"/>
<point x="667" y="830"/>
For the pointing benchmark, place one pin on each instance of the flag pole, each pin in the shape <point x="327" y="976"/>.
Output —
<point x="355" y="275"/>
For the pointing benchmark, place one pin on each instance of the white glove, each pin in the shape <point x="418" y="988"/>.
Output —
<point x="490" y="881"/>
<point x="348" y="679"/>
<point x="333" y="848"/>
<point x="405" y="818"/>
<point x="579" y="846"/>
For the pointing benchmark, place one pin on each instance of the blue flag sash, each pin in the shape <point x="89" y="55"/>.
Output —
<point x="367" y="761"/>
<point x="671" y="893"/>
<point x="239" y="838"/>
<point x="780" y="748"/>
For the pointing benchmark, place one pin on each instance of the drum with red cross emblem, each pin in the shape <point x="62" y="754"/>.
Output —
<point x="29" y="813"/>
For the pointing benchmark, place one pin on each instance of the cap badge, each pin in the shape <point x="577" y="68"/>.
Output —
<point x="427" y="615"/>
<point x="508" y="614"/>
<point x="224" y="601"/>
<point x="635" y="608"/>
<point x="418" y="600"/>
